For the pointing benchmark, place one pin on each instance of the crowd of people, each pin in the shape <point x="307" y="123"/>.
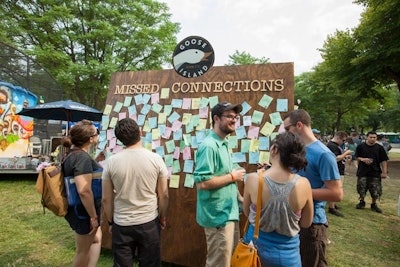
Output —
<point x="304" y="173"/>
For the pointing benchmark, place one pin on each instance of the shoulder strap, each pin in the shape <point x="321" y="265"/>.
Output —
<point x="258" y="207"/>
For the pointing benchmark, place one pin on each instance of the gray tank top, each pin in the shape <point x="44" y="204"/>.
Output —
<point x="277" y="215"/>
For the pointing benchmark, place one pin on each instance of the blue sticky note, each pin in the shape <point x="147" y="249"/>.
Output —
<point x="282" y="105"/>
<point x="246" y="108"/>
<point x="141" y="119"/>
<point x="253" y="157"/>
<point x="117" y="107"/>
<point x="162" y="128"/>
<point x="240" y="132"/>
<point x="160" y="151"/>
<point x="145" y="109"/>
<point x="188" y="166"/>
<point x="152" y="122"/>
<point x="148" y="138"/>
<point x="146" y="98"/>
<point x="139" y="99"/>
<point x="132" y="110"/>
<point x="264" y="143"/>
<point x="127" y="101"/>
<point x="176" y="103"/>
<point x="200" y="135"/>
<point x="178" y="134"/>
<point x="173" y="117"/>
<point x="238" y="157"/>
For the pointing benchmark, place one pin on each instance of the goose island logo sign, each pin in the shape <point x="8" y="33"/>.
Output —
<point x="193" y="57"/>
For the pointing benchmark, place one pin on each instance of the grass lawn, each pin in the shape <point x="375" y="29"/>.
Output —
<point x="361" y="238"/>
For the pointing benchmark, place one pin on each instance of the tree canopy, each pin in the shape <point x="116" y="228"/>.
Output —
<point x="378" y="40"/>
<point x="245" y="58"/>
<point x="83" y="42"/>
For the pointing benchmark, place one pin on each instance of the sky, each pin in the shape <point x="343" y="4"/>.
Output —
<point x="281" y="30"/>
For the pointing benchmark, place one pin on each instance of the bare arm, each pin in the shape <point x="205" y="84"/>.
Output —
<point x="333" y="191"/>
<point x="384" y="169"/>
<point x="108" y="199"/>
<point x="84" y="188"/>
<point x="307" y="212"/>
<point x="220" y="181"/>
<point x="250" y="186"/>
<point x="344" y="155"/>
<point x="163" y="199"/>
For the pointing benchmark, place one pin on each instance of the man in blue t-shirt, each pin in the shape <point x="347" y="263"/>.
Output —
<point x="323" y="174"/>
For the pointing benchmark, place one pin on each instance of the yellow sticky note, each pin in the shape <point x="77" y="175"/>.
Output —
<point x="174" y="181"/>
<point x="264" y="157"/>
<point x="107" y="110"/>
<point x="267" y="129"/>
<point x="164" y="93"/>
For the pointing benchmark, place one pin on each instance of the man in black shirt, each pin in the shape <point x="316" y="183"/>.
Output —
<point x="372" y="167"/>
<point x="335" y="145"/>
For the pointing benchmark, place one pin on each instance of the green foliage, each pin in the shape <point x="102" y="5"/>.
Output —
<point x="378" y="39"/>
<point x="83" y="42"/>
<point x="244" y="58"/>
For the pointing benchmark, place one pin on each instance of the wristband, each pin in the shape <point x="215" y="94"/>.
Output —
<point x="93" y="219"/>
<point x="233" y="177"/>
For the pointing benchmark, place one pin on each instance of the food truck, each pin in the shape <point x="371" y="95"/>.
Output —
<point x="15" y="130"/>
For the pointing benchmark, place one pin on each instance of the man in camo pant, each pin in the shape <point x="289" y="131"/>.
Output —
<point x="372" y="168"/>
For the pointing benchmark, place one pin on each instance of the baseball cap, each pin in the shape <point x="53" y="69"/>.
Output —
<point x="219" y="108"/>
<point x="315" y="131"/>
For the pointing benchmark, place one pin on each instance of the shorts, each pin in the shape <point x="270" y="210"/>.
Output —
<point x="79" y="219"/>
<point x="371" y="184"/>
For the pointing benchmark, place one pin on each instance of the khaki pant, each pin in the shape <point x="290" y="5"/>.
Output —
<point x="220" y="242"/>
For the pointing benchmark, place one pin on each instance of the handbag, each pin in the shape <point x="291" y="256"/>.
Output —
<point x="245" y="255"/>
<point x="72" y="192"/>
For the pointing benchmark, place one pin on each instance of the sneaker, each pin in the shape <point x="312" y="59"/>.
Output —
<point x="337" y="207"/>
<point x="335" y="212"/>
<point x="375" y="207"/>
<point x="360" y="205"/>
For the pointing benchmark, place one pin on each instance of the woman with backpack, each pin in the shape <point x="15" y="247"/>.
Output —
<point x="84" y="218"/>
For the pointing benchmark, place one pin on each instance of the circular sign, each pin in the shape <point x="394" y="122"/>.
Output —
<point x="193" y="57"/>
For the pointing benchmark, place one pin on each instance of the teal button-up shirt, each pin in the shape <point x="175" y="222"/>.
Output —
<point x="217" y="206"/>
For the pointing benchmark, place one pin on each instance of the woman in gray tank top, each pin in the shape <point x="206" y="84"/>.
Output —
<point x="287" y="203"/>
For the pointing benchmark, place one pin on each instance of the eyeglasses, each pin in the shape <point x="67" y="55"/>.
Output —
<point x="287" y="128"/>
<point x="231" y="117"/>
<point x="97" y="133"/>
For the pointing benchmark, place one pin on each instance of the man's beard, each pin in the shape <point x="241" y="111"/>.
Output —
<point x="225" y="129"/>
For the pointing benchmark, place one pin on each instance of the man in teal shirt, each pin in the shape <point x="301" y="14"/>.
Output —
<point x="217" y="192"/>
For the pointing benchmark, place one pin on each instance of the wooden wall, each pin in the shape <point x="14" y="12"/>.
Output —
<point x="183" y="241"/>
